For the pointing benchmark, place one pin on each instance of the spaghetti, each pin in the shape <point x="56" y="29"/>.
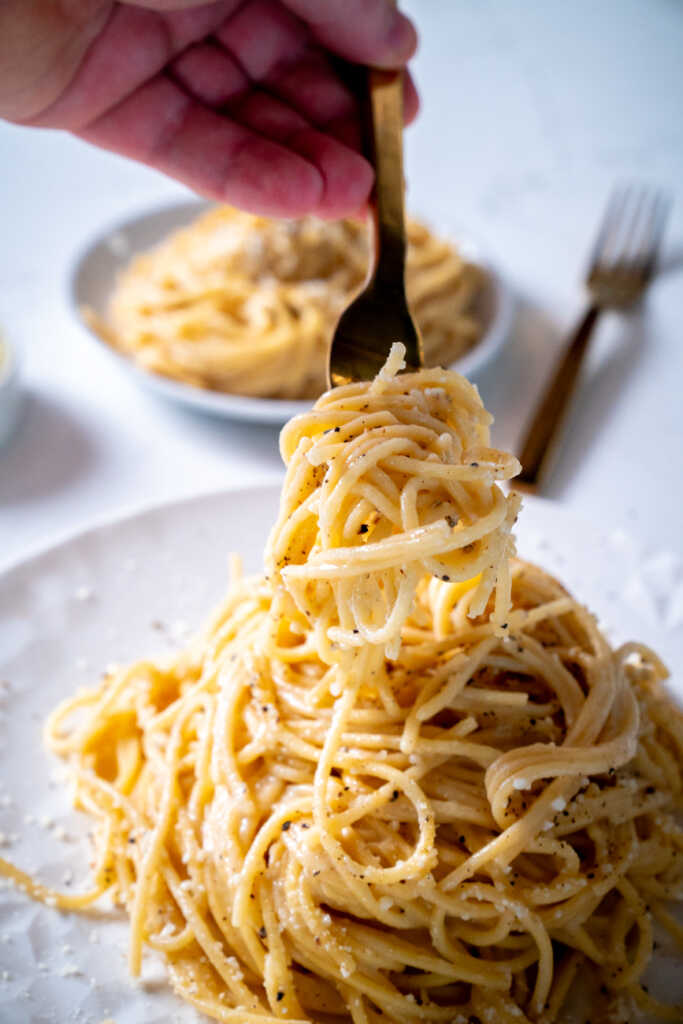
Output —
<point x="247" y="305"/>
<point x="441" y="817"/>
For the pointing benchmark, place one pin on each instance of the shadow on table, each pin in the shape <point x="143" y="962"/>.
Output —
<point x="512" y="386"/>
<point x="671" y="260"/>
<point x="257" y="441"/>
<point x="65" y="452"/>
<point x="598" y="395"/>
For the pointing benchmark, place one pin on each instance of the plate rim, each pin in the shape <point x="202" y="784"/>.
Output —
<point x="127" y="514"/>
<point x="123" y="516"/>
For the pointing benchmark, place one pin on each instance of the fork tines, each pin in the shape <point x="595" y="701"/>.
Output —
<point x="632" y="229"/>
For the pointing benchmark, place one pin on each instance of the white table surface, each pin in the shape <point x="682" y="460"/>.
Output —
<point x="531" y="111"/>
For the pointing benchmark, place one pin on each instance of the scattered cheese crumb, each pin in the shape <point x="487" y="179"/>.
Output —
<point x="70" y="971"/>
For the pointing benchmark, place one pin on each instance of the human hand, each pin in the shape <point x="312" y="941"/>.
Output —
<point x="239" y="100"/>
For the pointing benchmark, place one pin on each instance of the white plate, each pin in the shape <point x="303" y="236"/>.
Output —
<point x="97" y="268"/>
<point x="100" y="597"/>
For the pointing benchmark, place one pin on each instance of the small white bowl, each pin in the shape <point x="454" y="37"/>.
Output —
<point x="10" y="392"/>
<point x="99" y="264"/>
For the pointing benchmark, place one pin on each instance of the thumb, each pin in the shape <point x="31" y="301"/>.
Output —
<point x="363" y="31"/>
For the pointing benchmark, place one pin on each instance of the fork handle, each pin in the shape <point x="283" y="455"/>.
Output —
<point x="385" y="130"/>
<point x="543" y="433"/>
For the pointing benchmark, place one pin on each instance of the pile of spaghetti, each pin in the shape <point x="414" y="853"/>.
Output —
<point x="247" y="305"/>
<point x="400" y="778"/>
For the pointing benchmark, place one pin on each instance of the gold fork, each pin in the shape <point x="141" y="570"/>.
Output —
<point x="621" y="266"/>
<point x="379" y="316"/>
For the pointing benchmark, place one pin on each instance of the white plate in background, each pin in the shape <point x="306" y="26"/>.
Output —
<point x="135" y="588"/>
<point x="97" y="268"/>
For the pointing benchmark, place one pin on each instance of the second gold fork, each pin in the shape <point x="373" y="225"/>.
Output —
<point x="621" y="266"/>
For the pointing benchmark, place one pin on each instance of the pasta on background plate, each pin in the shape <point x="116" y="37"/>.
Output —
<point x="247" y="305"/>
<point x="401" y="776"/>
